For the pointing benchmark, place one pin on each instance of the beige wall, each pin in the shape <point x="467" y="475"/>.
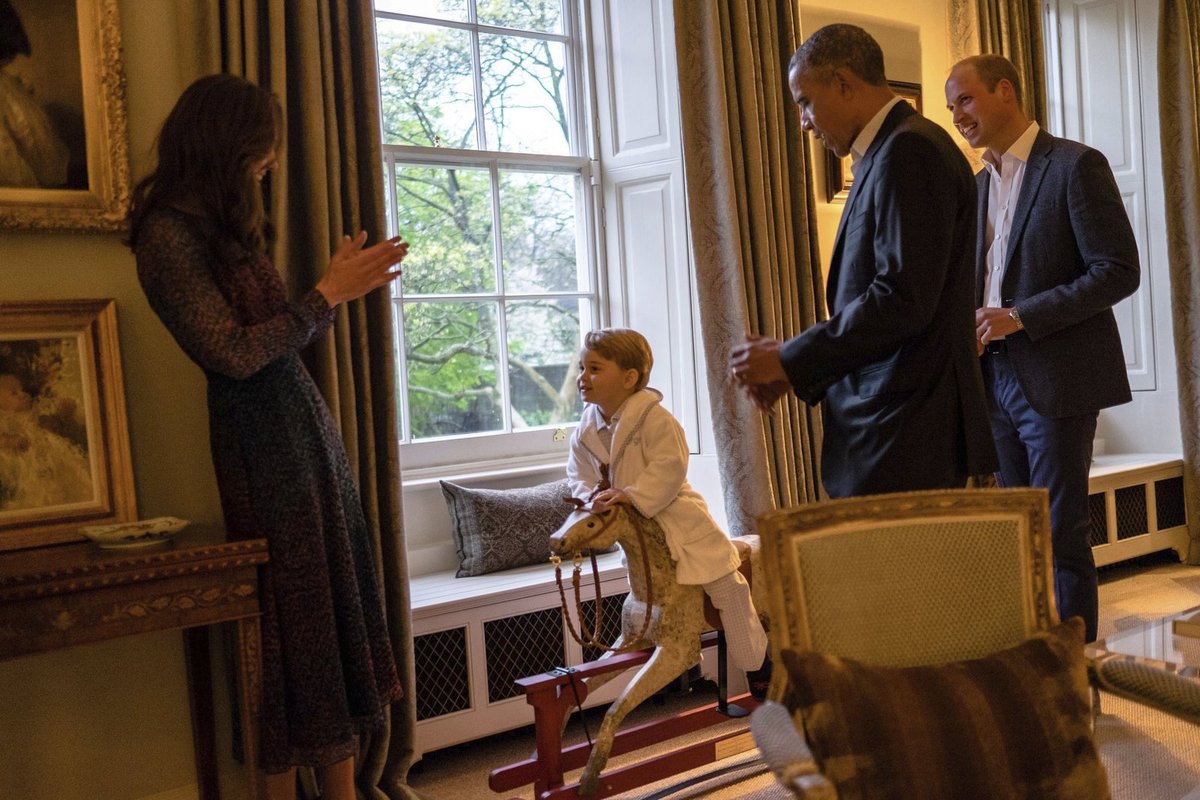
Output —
<point x="110" y="721"/>
<point x="914" y="38"/>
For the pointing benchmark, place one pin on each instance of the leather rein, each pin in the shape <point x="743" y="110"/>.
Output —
<point x="591" y="638"/>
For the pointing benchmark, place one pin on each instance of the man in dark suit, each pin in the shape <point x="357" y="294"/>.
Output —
<point x="893" y="366"/>
<point x="1056" y="252"/>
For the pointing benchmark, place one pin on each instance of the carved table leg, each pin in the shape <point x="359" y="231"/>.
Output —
<point x="196" y="654"/>
<point x="250" y="699"/>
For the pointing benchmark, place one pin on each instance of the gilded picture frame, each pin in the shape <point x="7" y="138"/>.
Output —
<point x="61" y="68"/>
<point x="64" y="440"/>
<point x="838" y="178"/>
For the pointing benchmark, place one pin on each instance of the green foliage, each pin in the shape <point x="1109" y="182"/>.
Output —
<point x="452" y="348"/>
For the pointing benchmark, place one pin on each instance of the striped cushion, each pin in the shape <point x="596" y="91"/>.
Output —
<point x="1015" y="725"/>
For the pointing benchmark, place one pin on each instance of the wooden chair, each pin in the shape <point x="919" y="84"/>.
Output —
<point x="911" y="579"/>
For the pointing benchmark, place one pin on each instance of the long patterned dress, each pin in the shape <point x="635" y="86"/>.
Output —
<point x="282" y="471"/>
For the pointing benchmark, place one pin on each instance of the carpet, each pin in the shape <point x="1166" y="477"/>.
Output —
<point x="1148" y="755"/>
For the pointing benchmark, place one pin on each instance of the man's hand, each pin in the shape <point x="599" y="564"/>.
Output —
<point x="992" y="323"/>
<point x="766" y="395"/>
<point x="756" y="362"/>
<point x="756" y="367"/>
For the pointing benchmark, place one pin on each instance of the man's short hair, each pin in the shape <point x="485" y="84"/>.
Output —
<point x="840" y="46"/>
<point x="992" y="69"/>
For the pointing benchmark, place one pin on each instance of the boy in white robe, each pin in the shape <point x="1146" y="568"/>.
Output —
<point x="629" y="449"/>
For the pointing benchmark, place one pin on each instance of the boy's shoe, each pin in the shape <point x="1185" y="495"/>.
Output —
<point x="759" y="680"/>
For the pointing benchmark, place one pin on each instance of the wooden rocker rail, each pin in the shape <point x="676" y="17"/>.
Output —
<point x="552" y="696"/>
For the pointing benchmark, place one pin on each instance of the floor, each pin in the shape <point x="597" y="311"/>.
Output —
<point x="1130" y="593"/>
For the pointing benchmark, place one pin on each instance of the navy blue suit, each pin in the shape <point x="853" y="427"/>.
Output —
<point x="894" y="366"/>
<point x="1071" y="257"/>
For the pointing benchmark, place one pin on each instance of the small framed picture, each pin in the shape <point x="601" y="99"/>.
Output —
<point x="64" y="441"/>
<point x="838" y="178"/>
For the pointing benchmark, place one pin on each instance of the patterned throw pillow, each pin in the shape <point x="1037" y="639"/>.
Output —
<point x="497" y="529"/>
<point x="1014" y="725"/>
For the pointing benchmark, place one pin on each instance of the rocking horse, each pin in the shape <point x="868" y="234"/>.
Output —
<point x="662" y="628"/>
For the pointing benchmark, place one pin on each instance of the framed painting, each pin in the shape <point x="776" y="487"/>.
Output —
<point x="838" y="178"/>
<point x="64" y="148"/>
<point x="64" y="442"/>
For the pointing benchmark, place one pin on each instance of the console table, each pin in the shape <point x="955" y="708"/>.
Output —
<point x="64" y="595"/>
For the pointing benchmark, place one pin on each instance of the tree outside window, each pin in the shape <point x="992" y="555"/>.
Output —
<point x="488" y="178"/>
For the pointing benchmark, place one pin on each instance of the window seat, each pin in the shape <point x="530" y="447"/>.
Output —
<point x="1136" y="505"/>
<point x="473" y="637"/>
<point x="442" y="593"/>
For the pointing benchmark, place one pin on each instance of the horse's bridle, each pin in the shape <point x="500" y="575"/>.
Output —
<point x="592" y="638"/>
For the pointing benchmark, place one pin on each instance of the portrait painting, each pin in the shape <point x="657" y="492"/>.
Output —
<point x="838" y="177"/>
<point x="63" y="140"/>
<point x="64" y="451"/>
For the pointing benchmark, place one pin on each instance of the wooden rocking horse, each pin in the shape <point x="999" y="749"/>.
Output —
<point x="662" y="629"/>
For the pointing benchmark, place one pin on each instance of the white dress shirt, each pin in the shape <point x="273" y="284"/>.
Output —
<point x="862" y="142"/>
<point x="1004" y="189"/>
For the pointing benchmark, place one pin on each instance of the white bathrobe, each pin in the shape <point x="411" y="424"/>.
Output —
<point x="649" y="461"/>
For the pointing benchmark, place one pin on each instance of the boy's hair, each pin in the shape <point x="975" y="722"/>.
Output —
<point x="628" y="348"/>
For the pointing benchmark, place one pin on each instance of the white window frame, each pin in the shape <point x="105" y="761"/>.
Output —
<point x="450" y="455"/>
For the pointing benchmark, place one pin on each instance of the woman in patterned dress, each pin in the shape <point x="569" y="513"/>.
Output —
<point x="199" y="233"/>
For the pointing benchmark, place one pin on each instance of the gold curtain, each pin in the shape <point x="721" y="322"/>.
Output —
<point x="753" y="232"/>
<point x="1179" y="117"/>
<point x="319" y="57"/>
<point x="1010" y="28"/>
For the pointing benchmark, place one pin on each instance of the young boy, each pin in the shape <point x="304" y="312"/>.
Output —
<point x="629" y="449"/>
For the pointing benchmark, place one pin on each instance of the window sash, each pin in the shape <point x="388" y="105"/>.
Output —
<point x="542" y="442"/>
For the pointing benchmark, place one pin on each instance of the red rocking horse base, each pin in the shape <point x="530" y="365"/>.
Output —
<point x="552" y="696"/>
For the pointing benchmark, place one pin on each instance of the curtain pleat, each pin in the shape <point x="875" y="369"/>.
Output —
<point x="319" y="57"/>
<point x="753" y="227"/>
<point x="1179" y="117"/>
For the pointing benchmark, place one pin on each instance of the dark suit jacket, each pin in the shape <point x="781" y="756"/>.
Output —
<point x="1071" y="257"/>
<point x="895" y="363"/>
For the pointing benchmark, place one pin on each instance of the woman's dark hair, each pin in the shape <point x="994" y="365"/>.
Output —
<point x="221" y="126"/>
<point x="13" y="41"/>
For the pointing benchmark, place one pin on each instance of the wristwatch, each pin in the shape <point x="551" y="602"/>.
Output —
<point x="1016" y="317"/>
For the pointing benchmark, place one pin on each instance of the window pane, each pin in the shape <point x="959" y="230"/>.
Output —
<point x="426" y="89"/>
<point x="538" y="218"/>
<point x="543" y="360"/>
<point x="452" y="354"/>
<point x="531" y="15"/>
<point x="445" y="213"/>
<point x="438" y="9"/>
<point x="524" y="90"/>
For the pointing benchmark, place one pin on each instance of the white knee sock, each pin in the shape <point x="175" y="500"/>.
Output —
<point x="744" y="632"/>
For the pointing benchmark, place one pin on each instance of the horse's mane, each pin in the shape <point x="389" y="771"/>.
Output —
<point x="650" y="527"/>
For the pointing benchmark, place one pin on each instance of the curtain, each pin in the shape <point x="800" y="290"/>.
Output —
<point x="753" y="231"/>
<point x="1010" y="28"/>
<point x="1179" y="117"/>
<point x="319" y="57"/>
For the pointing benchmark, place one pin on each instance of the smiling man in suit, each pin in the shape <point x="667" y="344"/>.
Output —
<point x="894" y="366"/>
<point x="1056" y="252"/>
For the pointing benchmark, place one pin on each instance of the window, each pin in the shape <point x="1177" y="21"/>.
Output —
<point x="488" y="175"/>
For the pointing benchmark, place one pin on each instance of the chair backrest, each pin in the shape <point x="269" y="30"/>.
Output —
<point x="910" y="578"/>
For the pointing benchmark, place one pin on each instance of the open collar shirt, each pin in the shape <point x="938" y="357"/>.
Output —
<point x="862" y="142"/>
<point x="1004" y="188"/>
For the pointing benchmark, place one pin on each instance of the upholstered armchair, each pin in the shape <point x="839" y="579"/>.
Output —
<point x="918" y="653"/>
